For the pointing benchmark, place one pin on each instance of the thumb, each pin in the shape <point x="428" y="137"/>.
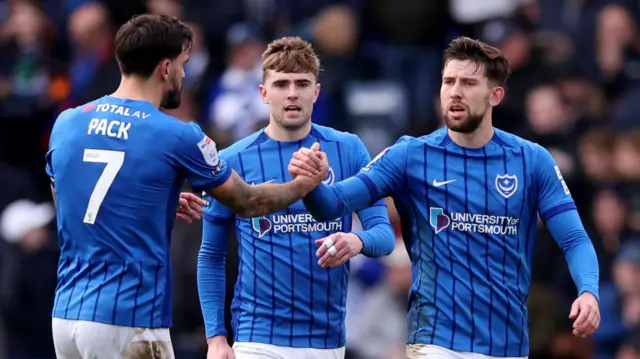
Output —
<point x="315" y="147"/>
<point x="575" y="310"/>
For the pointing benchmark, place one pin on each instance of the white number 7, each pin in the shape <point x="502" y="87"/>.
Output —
<point x="114" y="160"/>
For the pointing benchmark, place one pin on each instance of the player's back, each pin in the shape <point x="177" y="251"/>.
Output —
<point x="117" y="187"/>
<point x="470" y="218"/>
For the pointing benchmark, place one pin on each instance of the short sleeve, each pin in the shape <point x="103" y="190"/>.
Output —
<point x="554" y="196"/>
<point x="197" y="155"/>
<point x="54" y="139"/>
<point x="49" y="168"/>
<point x="384" y="174"/>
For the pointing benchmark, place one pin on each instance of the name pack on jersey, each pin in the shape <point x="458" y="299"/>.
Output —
<point x="111" y="127"/>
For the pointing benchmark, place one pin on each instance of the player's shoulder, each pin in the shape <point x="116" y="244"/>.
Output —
<point x="243" y="145"/>
<point x="435" y="138"/>
<point x="516" y="142"/>
<point x="69" y="117"/>
<point x="331" y="134"/>
<point x="72" y="112"/>
<point x="351" y="141"/>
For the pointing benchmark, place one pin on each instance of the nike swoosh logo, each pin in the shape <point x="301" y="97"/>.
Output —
<point x="439" y="184"/>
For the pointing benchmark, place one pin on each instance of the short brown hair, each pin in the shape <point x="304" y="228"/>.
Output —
<point x="495" y="64"/>
<point x="145" y="40"/>
<point x="290" y="54"/>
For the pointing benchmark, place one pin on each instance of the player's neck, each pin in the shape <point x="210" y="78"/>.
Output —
<point x="133" y="88"/>
<point x="281" y="134"/>
<point x="476" y="139"/>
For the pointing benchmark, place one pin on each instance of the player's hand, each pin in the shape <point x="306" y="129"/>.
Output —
<point x="337" y="249"/>
<point x="309" y="165"/>
<point x="586" y="315"/>
<point x="219" y="348"/>
<point x="189" y="208"/>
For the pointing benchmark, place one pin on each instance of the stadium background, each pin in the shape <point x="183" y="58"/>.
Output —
<point x="575" y="89"/>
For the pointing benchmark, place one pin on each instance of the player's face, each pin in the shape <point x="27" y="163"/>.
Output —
<point x="173" y="93"/>
<point x="290" y="97"/>
<point x="465" y="95"/>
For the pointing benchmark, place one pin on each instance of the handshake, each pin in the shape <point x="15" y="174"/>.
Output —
<point x="309" y="167"/>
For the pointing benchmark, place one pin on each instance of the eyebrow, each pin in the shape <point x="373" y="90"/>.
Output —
<point x="283" y="81"/>
<point x="466" y="78"/>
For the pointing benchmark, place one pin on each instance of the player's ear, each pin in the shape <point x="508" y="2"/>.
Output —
<point x="263" y="93"/>
<point x="316" y="92"/>
<point x="165" y="69"/>
<point x="497" y="94"/>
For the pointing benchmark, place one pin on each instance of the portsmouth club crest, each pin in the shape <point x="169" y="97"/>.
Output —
<point x="506" y="185"/>
<point x="331" y="177"/>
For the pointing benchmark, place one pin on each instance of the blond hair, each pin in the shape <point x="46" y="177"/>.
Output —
<point x="290" y="54"/>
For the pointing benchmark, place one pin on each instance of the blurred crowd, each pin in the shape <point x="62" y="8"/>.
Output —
<point x="574" y="88"/>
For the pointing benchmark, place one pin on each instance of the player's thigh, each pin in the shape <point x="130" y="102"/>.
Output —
<point x="149" y="349"/>
<point x="424" y="351"/>
<point x="63" y="341"/>
<point x="105" y="341"/>
<point x="337" y="353"/>
<point x="245" y="350"/>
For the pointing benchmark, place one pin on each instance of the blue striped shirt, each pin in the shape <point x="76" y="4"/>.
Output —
<point x="282" y="296"/>
<point x="469" y="219"/>
<point x="118" y="167"/>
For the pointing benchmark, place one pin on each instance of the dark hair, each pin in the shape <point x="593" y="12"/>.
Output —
<point x="495" y="64"/>
<point x="145" y="40"/>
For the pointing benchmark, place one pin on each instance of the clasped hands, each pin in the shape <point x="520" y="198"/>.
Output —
<point x="311" y="165"/>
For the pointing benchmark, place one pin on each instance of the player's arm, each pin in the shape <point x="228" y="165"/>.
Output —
<point x="197" y="154"/>
<point x="378" y="236"/>
<point x="558" y="211"/>
<point x="375" y="181"/>
<point x="49" y="170"/>
<point x="212" y="256"/>
<point x="258" y="200"/>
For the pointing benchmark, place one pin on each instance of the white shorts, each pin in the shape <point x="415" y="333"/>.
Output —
<point x="422" y="351"/>
<point x="78" y="339"/>
<point x="267" y="351"/>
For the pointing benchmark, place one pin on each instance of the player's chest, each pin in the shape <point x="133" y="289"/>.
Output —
<point x="270" y="165"/>
<point x="474" y="185"/>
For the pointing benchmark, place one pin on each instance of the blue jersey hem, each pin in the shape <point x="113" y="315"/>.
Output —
<point x="477" y="349"/>
<point x="163" y="324"/>
<point x="287" y="342"/>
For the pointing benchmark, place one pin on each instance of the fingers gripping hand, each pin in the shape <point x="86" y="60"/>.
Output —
<point x="336" y="249"/>
<point x="309" y="162"/>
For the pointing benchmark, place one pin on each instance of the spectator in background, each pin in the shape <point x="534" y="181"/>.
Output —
<point x="233" y="107"/>
<point x="25" y="75"/>
<point x="28" y="262"/>
<point x="382" y="325"/>
<point x="93" y="70"/>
